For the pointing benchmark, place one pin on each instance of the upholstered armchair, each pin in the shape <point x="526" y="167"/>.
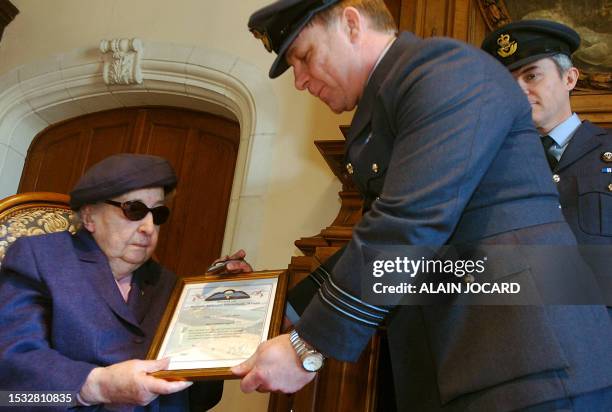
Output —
<point x="34" y="213"/>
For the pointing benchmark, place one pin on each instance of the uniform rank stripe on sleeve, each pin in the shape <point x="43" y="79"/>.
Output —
<point x="350" y="315"/>
<point x="319" y="275"/>
<point x="316" y="280"/>
<point x="358" y="301"/>
<point x="359" y="312"/>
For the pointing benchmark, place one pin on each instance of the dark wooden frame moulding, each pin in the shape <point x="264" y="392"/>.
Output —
<point x="7" y="13"/>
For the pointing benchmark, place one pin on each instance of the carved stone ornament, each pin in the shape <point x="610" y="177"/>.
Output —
<point x="122" y="61"/>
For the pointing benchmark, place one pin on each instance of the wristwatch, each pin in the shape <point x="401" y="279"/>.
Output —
<point x="310" y="358"/>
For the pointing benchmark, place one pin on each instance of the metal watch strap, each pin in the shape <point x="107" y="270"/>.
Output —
<point x="303" y="349"/>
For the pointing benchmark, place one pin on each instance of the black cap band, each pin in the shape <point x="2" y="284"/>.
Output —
<point x="278" y="24"/>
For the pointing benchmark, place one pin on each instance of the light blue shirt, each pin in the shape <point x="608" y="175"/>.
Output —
<point x="562" y="134"/>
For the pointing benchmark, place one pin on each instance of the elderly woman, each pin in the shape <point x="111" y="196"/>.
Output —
<point x="78" y="311"/>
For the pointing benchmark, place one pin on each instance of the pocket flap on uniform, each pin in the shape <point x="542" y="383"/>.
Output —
<point x="517" y="339"/>
<point x="595" y="184"/>
<point x="595" y="204"/>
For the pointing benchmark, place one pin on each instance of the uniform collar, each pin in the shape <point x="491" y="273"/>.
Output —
<point x="385" y="50"/>
<point x="585" y="140"/>
<point x="379" y="72"/>
<point x="564" y="131"/>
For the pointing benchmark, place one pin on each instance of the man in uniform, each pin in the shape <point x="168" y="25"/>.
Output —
<point x="538" y="53"/>
<point x="443" y="149"/>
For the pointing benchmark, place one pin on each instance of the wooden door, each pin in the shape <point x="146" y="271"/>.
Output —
<point x="201" y="147"/>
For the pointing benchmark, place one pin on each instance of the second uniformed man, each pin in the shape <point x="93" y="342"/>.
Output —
<point x="580" y="154"/>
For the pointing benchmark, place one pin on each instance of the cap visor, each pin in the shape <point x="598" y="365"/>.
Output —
<point x="280" y="65"/>
<point x="524" y="61"/>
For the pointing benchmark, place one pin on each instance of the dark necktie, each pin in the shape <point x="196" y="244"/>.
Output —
<point x="547" y="142"/>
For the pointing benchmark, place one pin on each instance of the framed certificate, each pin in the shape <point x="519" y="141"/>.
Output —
<point x="214" y="322"/>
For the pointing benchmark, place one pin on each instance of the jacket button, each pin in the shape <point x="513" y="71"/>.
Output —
<point x="469" y="278"/>
<point x="606" y="157"/>
<point x="610" y="187"/>
<point x="138" y="339"/>
<point x="375" y="167"/>
<point x="349" y="168"/>
<point x="556" y="178"/>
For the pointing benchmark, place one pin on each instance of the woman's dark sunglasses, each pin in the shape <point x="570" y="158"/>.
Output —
<point x="136" y="210"/>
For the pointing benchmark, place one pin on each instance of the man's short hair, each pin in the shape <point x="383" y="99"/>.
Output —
<point x="563" y="63"/>
<point x="375" y="10"/>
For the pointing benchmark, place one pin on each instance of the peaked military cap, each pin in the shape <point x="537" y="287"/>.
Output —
<point x="526" y="41"/>
<point x="279" y="23"/>
<point x="119" y="174"/>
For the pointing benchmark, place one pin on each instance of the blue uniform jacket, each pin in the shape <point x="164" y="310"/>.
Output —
<point x="585" y="185"/>
<point x="61" y="315"/>
<point x="443" y="149"/>
<point x="584" y="179"/>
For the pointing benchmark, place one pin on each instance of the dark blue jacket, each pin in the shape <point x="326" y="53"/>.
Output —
<point x="443" y="149"/>
<point x="586" y="191"/>
<point x="61" y="315"/>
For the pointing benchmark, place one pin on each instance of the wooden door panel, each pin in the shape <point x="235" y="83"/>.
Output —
<point x="43" y="172"/>
<point x="105" y="141"/>
<point x="165" y="138"/>
<point x="59" y="155"/>
<point x="208" y="163"/>
<point x="201" y="147"/>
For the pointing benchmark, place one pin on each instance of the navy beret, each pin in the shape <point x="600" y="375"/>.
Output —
<point x="119" y="174"/>
<point x="526" y="41"/>
<point x="279" y="23"/>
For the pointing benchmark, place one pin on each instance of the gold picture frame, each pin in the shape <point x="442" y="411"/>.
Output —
<point x="588" y="19"/>
<point x="214" y="322"/>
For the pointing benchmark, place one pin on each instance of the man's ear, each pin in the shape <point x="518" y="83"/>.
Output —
<point x="571" y="78"/>
<point x="86" y="214"/>
<point x="353" y="22"/>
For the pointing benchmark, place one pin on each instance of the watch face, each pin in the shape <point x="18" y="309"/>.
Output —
<point x="313" y="362"/>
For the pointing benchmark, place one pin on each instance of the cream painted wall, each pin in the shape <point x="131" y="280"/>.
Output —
<point x="302" y="193"/>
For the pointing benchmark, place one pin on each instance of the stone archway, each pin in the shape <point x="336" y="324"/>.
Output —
<point x="37" y="95"/>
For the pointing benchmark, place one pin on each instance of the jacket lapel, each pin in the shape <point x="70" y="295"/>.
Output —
<point x="584" y="141"/>
<point x="143" y="289"/>
<point x="97" y="271"/>
<point x="363" y="115"/>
